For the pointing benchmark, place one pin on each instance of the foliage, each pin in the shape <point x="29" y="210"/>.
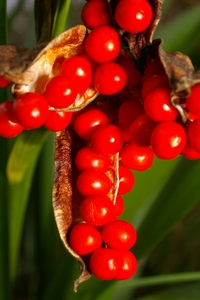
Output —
<point x="34" y="264"/>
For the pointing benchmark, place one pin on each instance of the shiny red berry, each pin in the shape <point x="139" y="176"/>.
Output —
<point x="126" y="180"/>
<point x="192" y="102"/>
<point x="107" y="140"/>
<point x="57" y="120"/>
<point x="97" y="210"/>
<point x="9" y="126"/>
<point x="127" y="265"/>
<point x="95" y="13"/>
<point x="84" y="239"/>
<point x="168" y="139"/>
<point x="87" y="122"/>
<point x="136" y="157"/>
<point x="61" y="91"/>
<point x="79" y="69"/>
<point x="133" y="16"/>
<point x="93" y="182"/>
<point x="31" y="110"/>
<point x="104" y="263"/>
<point x="109" y="78"/>
<point x="4" y="82"/>
<point x="119" y="235"/>
<point x="86" y="158"/>
<point x="103" y="44"/>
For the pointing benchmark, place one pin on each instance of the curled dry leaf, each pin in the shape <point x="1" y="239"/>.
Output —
<point x="31" y="69"/>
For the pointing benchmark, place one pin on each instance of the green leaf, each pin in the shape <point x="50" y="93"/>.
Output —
<point x="179" y="195"/>
<point x="20" y="170"/>
<point x="181" y="30"/>
<point x="61" y="17"/>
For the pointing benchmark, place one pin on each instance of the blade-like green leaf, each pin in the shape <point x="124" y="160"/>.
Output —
<point x="178" y="197"/>
<point x="61" y="17"/>
<point x="180" y="31"/>
<point x="20" y="170"/>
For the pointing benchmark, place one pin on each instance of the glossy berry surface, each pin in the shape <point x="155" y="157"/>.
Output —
<point x="192" y="102"/>
<point x="133" y="16"/>
<point x="129" y="111"/>
<point x="84" y="239"/>
<point x="92" y="182"/>
<point x="95" y="13"/>
<point x="136" y="157"/>
<point x="126" y="180"/>
<point x="57" y="120"/>
<point x="9" y="126"/>
<point x="4" y="82"/>
<point x="60" y="91"/>
<point x="107" y="140"/>
<point x="86" y="158"/>
<point x="104" y="263"/>
<point x="79" y="69"/>
<point x="103" y="44"/>
<point x="88" y="121"/>
<point x="158" y="107"/>
<point x="109" y="78"/>
<point x="168" y="139"/>
<point x="119" y="235"/>
<point x="31" y="110"/>
<point x="97" y="210"/>
<point x="127" y="265"/>
<point x="118" y="206"/>
<point x="193" y="130"/>
<point x="154" y="82"/>
<point x="140" y="130"/>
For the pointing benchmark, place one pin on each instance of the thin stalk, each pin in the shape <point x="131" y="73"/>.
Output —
<point x="4" y="230"/>
<point x="61" y="17"/>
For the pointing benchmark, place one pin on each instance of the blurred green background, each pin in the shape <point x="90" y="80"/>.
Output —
<point x="163" y="206"/>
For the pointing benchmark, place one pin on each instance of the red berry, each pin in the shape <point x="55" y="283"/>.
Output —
<point x="31" y="110"/>
<point x="127" y="265"/>
<point x="87" y="122"/>
<point x="154" y="82"/>
<point x="109" y="78"/>
<point x="92" y="182"/>
<point x="192" y="102"/>
<point x="119" y="235"/>
<point x="153" y="67"/>
<point x="104" y="263"/>
<point x="9" y="126"/>
<point x="84" y="239"/>
<point x="4" y="82"/>
<point x="133" y="16"/>
<point x="168" y="139"/>
<point x="193" y="130"/>
<point x="103" y="44"/>
<point x="118" y="206"/>
<point x="136" y="157"/>
<point x="140" y="130"/>
<point x="57" y="120"/>
<point x="95" y="13"/>
<point x="86" y="158"/>
<point x="61" y="91"/>
<point x="79" y="69"/>
<point x="129" y="111"/>
<point x="107" y="140"/>
<point x="133" y="75"/>
<point x="158" y="107"/>
<point x="189" y="152"/>
<point x="126" y="180"/>
<point x="97" y="210"/>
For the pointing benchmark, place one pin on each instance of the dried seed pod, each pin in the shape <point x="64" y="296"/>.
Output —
<point x="67" y="199"/>
<point x="31" y="69"/>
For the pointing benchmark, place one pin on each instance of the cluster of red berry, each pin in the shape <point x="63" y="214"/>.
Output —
<point x="147" y="123"/>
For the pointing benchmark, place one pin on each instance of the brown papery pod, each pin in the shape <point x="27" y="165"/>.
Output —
<point x="30" y="70"/>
